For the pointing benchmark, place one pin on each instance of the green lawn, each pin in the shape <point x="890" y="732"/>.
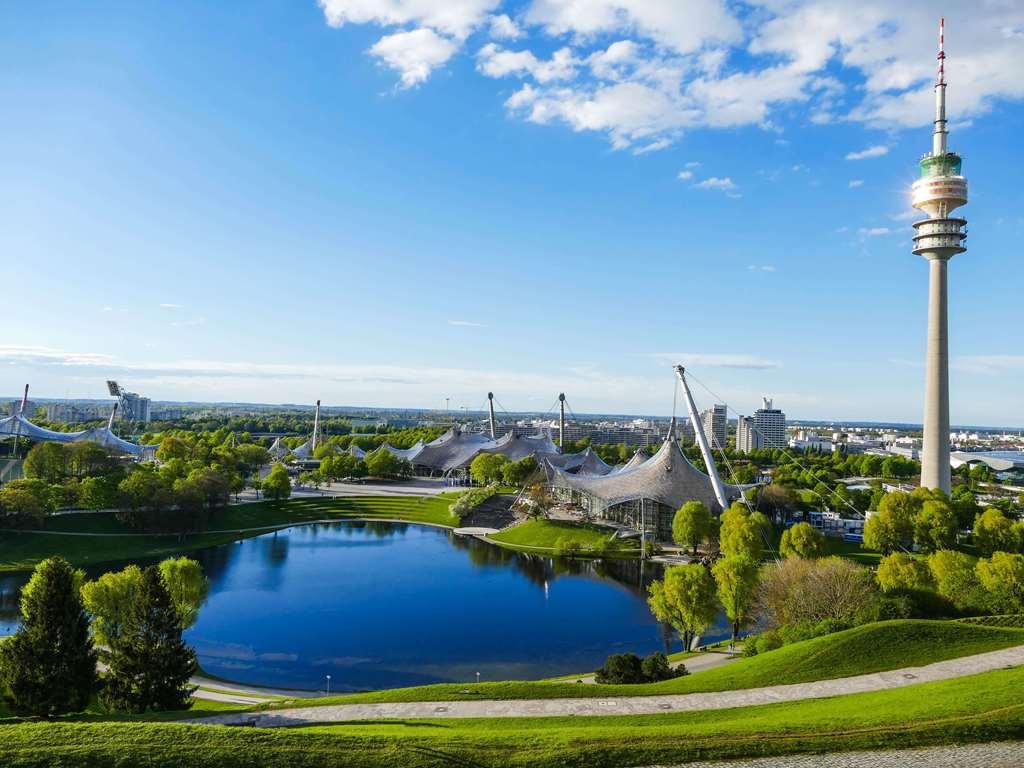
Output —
<point x="984" y="707"/>
<point x="869" y="648"/>
<point x="540" y="534"/>
<point x="21" y="551"/>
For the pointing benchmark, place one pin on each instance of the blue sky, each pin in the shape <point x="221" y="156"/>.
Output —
<point x="387" y="202"/>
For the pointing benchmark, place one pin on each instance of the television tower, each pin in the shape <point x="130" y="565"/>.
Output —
<point x="938" y="192"/>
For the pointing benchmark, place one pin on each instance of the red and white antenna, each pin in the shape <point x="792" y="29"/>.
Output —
<point x="942" y="50"/>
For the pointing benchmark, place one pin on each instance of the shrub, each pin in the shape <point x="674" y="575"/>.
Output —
<point x="626" y="668"/>
<point x="621" y="668"/>
<point x="802" y="540"/>
<point x="472" y="499"/>
<point x="567" y="547"/>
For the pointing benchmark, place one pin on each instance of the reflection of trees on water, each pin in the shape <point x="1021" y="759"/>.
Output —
<point x="10" y="593"/>
<point x="634" y="575"/>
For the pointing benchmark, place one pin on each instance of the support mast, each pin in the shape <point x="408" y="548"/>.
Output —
<point x="702" y="441"/>
<point x="561" y="419"/>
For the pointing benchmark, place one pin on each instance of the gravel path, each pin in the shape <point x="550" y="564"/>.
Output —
<point x="996" y="754"/>
<point x="628" y="705"/>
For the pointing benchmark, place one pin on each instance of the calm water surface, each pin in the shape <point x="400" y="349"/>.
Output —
<point x="378" y="605"/>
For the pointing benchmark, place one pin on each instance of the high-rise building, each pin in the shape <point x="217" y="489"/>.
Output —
<point x="714" y="421"/>
<point x="771" y="423"/>
<point x="140" y="407"/>
<point x="748" y="438"/>
<point x="938" y="192"/>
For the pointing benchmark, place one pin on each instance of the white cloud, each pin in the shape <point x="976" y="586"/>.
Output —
<point x="645" y="71"/>
<point x="170" y="306"/>
<point x="873" y="231"/>
<point x="503" y="28"/>
<point x="716" y="360"/>
<point x="854" y="183"/>
<point x="693" y="164"/>
<point x="761" y="268"/>
<point x="107" y="309"/>
<point x="685" y="175"/>
<point x="466" y="324"/>
<point x="455" y="18"/>
<point x="989" y="364"/>
<point x="414" y="55"/>
<point x="876" y="151"/>
<point x="494" y="61"/>
<point x="714" y="182"/>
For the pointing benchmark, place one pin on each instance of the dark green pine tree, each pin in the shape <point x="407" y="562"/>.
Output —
<point x="149" y="664"/>
<point x="48" y="667"/>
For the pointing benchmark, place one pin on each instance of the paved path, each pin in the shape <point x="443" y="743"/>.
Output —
<point x="629" y="705"/>
<point x="997" y="754"/>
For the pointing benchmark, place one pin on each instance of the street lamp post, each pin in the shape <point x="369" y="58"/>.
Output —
<point x="328" y="685"/>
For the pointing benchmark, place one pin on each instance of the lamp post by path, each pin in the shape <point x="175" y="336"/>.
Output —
<point x="328" y="685"/>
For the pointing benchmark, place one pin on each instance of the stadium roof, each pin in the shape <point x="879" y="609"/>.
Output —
<point x="19" y="426"/>
<point x="667" y="477"/>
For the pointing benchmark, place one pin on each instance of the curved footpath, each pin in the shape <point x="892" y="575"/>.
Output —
<point x="627" y="705"/>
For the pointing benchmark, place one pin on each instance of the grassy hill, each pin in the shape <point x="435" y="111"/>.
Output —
<point x="984" y="707"/>
<point x="869" y="648"/>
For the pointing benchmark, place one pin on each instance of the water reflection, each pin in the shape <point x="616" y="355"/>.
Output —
<point x="377" y="604"/>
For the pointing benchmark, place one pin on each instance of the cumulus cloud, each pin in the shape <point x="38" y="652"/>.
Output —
<point x="643" y="72"/>
<point x="503" y="28"/>
<point x="414" y="55"/>
<point x="876" y="151"/>
<point x="685" y="175"/>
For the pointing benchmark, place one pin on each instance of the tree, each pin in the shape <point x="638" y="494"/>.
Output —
<point x="172" y="447"/>
<point x="383" y="463"/>
<point x="955" y="578"/>
<point x="691" y="525"/>
<point x="518" y="473"/>
<point x="802" y="540"/>
<point x="935" y="526"/>
<point x="26" y="500"/>
<point x="621" y="668"/>
<point x="776" y="500"/>
<point x="47" y="462"/>
<point x="149" y="664"/>
<point x="276" y="484"/>
<point x="685" y="600"/>
<point x="892" y="524"/>
<point x="49" y="665"/>
<point x="109" y="598"/>
<point x="993" y="532"/>
<point x="187" y="586"/>
<point x="99" y="492"/>
<point x="487" y="468"/>
<point x="1002" y="576"/>
<point x="743" y="532"/>
<point x="900" y="571"/>
<point x="737" y="580"/>
<point x="797" y="590"/>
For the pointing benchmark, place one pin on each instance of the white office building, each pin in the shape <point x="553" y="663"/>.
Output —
<point x="715" y="420"/>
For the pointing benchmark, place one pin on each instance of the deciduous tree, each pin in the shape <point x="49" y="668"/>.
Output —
<point x="802" y="540"/>
<point x="684" y="599"/>
<point x="691" y="525"/>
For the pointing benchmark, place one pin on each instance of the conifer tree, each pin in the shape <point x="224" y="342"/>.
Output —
<point x="48" y="667"/>
<point x="149" y="663"/>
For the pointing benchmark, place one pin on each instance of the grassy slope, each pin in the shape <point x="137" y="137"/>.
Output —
<point x="544" y="534"/>
<point x="21" y="551"/>
<point x="979" y="708"/>
<point x="869" y="648"/>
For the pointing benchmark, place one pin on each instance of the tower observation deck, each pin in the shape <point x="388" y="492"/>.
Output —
<point x="939" y="191"/>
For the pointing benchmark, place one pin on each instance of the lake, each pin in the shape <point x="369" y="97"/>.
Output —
<point x="378" y="605"/>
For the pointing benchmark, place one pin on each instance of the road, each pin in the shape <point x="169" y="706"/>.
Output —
<point x="628" y="705"/>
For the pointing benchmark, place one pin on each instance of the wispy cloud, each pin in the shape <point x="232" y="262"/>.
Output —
<point x="168" y="305"/>
<point x="989" y="364"/>
<point x="685" y="175"/>
<point x="876" y="151"/>
<point x="854" y="183"/>
<point x="761" y="267"/>
<point x="466" y="324"/>
<point x="723" y="183"/>
<point x="873" y="231"/>
<point x="716" y="360"/>
<point x="189" y="323"/>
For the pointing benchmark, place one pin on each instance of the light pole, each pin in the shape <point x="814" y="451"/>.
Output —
<point x="478" y="678"/>
<point x="328" y="685"/>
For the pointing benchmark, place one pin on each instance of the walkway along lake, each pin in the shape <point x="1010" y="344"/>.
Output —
<point x="379" y="605"/>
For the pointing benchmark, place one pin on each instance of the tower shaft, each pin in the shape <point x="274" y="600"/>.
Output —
<point x="939" y="191"/>
<point x="491" y="420"/>
<point x="935" y="472"/>
<point x="561" y="420"/>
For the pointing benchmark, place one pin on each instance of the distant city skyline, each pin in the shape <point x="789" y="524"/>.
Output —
<point x="386" y="204"/>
